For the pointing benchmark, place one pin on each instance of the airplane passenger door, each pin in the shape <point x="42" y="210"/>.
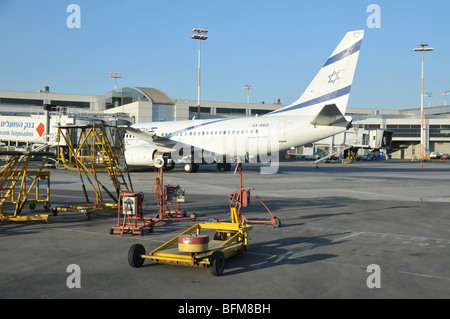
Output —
<point x="282" y="131"/>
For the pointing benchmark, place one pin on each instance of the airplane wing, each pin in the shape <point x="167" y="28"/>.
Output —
<point x="148" y="137"/>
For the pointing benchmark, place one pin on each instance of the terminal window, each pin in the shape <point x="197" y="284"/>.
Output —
<point x="21" y="102"/>
<point x="404" y="130"/>
<point x="224" y="110"/>
<point x="203" y="109"/>
<point x="72" y="104"/>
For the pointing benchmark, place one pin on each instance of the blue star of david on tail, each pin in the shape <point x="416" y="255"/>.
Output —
<point x="333" y="77"/>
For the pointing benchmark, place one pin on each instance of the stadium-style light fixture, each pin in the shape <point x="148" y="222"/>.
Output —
<point x="199" y="34"/>
<point x="422" y="48"/>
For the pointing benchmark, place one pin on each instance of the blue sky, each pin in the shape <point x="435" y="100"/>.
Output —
<point x="276" y="46"/>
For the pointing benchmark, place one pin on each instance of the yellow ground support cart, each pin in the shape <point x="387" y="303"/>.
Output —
<point x="194" y="248"/>
<point x="20" y="186"/>
<point x="91" y="150"/>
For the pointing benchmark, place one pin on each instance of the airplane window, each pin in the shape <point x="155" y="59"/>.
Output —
<point x="190" y="133"/>
<point x="251" y="132"/>
<point x="256" y="131"/>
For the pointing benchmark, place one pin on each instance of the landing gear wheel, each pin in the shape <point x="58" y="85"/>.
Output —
<point x="169" y="167"/>
<point x="217" y="263"/>
<point x="190" y="167"/>
<point x="134" y="255"/>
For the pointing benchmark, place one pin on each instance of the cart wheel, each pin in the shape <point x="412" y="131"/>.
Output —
<point x="32" y="206"/>
<point x="277" y="223"/>
<point x="134" y="255"/>
<point x="217" y="262"/>
<point x="150" y="228"/>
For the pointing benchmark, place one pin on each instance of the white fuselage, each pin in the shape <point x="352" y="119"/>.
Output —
<point x="233" y="138"/>
<point x="317" y="114"/>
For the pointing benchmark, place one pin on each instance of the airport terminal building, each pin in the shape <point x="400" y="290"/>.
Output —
<point x="142" y="104"/>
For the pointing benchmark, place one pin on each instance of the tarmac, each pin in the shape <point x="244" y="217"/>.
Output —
<point x="370" y="230"/>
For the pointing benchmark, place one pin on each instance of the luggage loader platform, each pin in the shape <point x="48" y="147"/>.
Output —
<point x="195" y="249"/>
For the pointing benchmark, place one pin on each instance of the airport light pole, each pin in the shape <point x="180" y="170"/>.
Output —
<point x="422" y="48"/>
<point x="445" y="96"/>
<point x="429" y="98"/>
<point x="248" y="88"/>
<point x="115" y="75"/>
<point x="199" y="34"/>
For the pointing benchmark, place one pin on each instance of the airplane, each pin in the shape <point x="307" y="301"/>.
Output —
<point x="318" y="113"/>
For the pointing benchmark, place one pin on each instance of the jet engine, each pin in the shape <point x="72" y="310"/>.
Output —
<point x="140" y="155"/>
<point x="147" y="156"/>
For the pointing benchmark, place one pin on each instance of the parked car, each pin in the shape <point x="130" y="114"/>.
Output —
<point x="435" y="155"/>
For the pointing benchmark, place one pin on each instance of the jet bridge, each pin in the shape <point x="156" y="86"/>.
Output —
<point x="338" y="145"/>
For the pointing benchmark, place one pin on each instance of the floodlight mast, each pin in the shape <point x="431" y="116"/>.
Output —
<point x="445" y="98"/>
<point x="199" y="34"/>
<point x="422" y="48"/>
<point x="429" y="98"/>
<point x="115" y="75"/>
<point x="248" y="88"/>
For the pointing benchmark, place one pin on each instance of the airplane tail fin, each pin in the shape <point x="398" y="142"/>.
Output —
<point x="331" y="85"/>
